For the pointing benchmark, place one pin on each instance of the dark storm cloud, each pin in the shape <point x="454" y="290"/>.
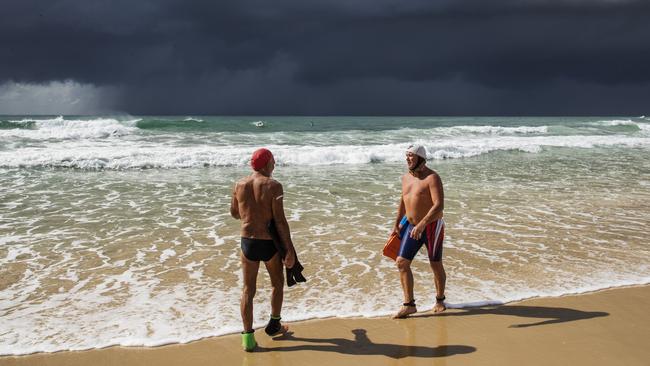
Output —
<point x="339" y="57"/>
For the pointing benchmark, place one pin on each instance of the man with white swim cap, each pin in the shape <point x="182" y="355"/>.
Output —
<point x="419" y="222"/>
<point x="256" y="201"/>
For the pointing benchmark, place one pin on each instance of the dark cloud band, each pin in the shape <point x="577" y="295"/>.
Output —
<point x="338" y="57"/>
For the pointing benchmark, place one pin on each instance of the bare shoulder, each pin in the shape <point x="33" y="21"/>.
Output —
<point x="242" y="182"/>
<point x="273" y="185"/>
<point x="244" y="185"/>
<point x="434" y="177"/>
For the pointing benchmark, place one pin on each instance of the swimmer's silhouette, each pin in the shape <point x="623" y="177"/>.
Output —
<point x="362" y="345"/>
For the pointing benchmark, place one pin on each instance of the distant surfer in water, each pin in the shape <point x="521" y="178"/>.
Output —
<point x="256" y="201"/>
<point x="421" y="203"/>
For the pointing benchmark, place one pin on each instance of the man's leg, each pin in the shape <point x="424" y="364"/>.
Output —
<point x="275" y="268"/>
<point x="440" y="279"/>
<point x="406" y="277"/>
<point x="249" y="270"/>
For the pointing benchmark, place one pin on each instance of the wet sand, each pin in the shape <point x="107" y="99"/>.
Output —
<point x="610" y="327"/>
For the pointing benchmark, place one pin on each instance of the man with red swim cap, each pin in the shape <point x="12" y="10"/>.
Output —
<point x="260" y="158"/>
<point x="257" y="201"/>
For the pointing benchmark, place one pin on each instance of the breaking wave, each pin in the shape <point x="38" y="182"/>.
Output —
<point x="68" y="129"/>
<point x="129" y="156"/>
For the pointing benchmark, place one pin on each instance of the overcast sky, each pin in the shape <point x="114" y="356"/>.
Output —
<point x="334" y="57"/>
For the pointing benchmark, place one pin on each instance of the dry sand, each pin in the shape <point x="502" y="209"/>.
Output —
<point x="609" y="327"/>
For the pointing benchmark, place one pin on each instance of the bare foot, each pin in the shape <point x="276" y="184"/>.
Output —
<point x="439" y="307"/>
<point x="405" y="311"/>
<point x="284" y="336"/>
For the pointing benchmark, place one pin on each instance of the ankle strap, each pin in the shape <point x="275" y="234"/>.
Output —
<point x="440" y="299"/>
<point x="410" y="303"/>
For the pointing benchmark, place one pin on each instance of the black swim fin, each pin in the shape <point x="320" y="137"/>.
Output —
<point x="290" y="280"/>
<point x="294" y="274"/>
<point x="297" y="272"/>
<point x="299" y="277"/>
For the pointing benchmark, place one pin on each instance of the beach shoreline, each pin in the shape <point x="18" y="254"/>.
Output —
<point x="125" y="239"/>
<point x="604" y="327"/>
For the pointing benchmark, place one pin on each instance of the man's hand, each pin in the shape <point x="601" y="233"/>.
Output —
<point x="416" y="233"/>
<point x="396" y="230"/>
<point x="289" y="259"/>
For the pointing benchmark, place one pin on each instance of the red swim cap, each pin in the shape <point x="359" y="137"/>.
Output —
<point x="260" y="158"/>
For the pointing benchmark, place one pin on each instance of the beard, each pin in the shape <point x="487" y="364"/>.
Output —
<point x="416" y="164"/>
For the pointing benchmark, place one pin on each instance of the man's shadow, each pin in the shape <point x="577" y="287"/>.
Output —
<point x="362" y="345"/>
<point x="552" y="315"/>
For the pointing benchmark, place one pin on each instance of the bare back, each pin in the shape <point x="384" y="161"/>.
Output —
<point x="255" y="195"/>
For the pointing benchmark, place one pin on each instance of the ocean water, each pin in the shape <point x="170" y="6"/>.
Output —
<point x="116" y="230"/>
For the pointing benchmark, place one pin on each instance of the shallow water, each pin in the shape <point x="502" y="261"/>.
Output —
<point x="96" y="255"/>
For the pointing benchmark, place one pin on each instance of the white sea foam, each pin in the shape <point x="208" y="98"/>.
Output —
<point x="146" y="319"/>
<point x="31" y="120"/>
<point x="644" y="127"/>
<point x="192" y="119"/>
<point x="60" y="128"/>
<point x="615" y="122"/>
<point x="493" y="130"/>
<point x="166" y="254"/>
<point x="125" y="155"/>
<point x="17" y="251"/>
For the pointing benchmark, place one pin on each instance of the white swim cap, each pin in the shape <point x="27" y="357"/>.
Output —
<point x="418" y="150"/>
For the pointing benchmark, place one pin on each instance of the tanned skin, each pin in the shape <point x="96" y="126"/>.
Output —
<point x="256" y="200"/>
<point x="423" y="202"/>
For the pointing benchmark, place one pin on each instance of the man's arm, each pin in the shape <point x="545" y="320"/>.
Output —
<point x="234" y="204"/>
<point x="435" y="212"/>
<point x="282" y="225"/>
<point x="401" y="210"/>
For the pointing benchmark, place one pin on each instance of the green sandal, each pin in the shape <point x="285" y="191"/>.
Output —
<point x="248" y="341"/>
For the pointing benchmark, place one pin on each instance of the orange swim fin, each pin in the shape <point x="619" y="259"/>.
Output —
<point x="391" y="248"/>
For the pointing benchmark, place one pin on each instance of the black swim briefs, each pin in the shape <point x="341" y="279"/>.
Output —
<point x="258" y="249"/>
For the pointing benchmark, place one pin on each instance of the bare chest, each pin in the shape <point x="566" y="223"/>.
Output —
<point x="414" y="188"/>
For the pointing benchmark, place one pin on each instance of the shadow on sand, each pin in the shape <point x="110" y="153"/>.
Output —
<point x="362" y="345"/>
<point x="552" y="315"/>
